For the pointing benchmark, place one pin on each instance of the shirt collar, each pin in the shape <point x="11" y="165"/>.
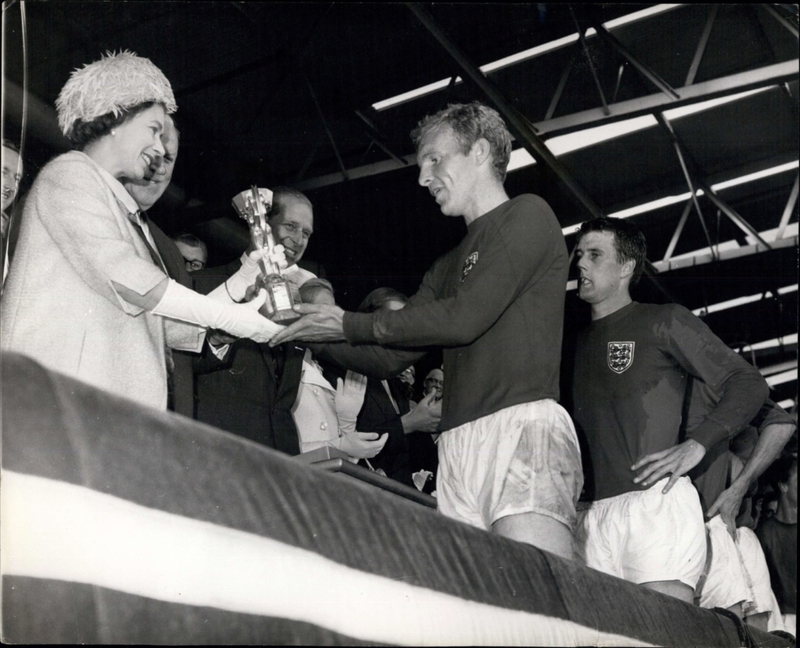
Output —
<point x="117" y="189"/>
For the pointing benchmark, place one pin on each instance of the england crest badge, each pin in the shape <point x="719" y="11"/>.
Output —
<point x="620" y="356"/>
<point x="469" y="263"/>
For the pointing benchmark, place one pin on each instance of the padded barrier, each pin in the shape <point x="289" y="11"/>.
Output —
<point x="127" y="525"/>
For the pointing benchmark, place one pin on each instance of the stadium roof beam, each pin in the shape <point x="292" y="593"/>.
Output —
<point x="664" y="122"/>
<point x="640" y="67"/>
<point x="790" y="205"/>
<point x="732" y="84"/>
<point x="678" y="231"/>
<point x="562" y="83"/>
<point x="327" y="130"/>
<point x="782" y="20"/>
<point x="723" y="86"/>
<point x="701" y="46"/>
<point x="585" y="48"/>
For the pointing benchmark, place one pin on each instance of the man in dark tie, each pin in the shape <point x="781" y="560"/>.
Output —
<point x="12" y="174"/>
<point x="146" y="193"/>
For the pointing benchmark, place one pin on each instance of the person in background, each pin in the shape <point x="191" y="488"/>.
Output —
<point x="193" y="251"/>
<point x="408" y="377"/>
<point x="735" y="576"/>
<point x="761" y="610"/>
<point x="778" y="536"/>
<point x="248" y="388"/>
<point x="146" y="192"/>
<point x="495" y="304"/>
<point x="12" y="175"/>
<point x="326" y="408"/>
<point x="87" y="294"/>
<point x="643" y="521"/>
<point x="386" y="408"/>
<point x="434" y="383"/>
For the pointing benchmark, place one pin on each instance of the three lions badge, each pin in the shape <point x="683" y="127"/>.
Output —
<point x="620" y="356"/>
<point x="469" y="263"/>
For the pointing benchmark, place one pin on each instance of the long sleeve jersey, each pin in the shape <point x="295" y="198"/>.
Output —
<point x="496" y="305"/>
<point x="629" y="385"/>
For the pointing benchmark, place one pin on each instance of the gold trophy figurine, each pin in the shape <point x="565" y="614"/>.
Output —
<point x="254" y="207"/>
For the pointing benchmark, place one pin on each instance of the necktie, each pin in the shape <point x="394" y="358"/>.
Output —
<point x="157" y="260"/>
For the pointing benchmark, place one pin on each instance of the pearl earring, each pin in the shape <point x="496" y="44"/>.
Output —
<point x="113" y="132"/>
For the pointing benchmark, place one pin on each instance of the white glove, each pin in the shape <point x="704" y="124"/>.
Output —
<point x="241" y="320"/>
<point x="363" y="445"/>
<point x="234" y="289"/>
<point x="420" y="478"/>
<point x="349" y="399"/>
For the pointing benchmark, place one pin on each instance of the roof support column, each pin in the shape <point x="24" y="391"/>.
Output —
<point x="787" y="212"/>
<point x="678" y="231"/>
<point x="783" y="21"/>
<point x="586" y="53"/>
<point x="327" y="130"/>
<point x="701" y="46"/>
<point x="643" y="69"/>
<point x="676" y="144"/>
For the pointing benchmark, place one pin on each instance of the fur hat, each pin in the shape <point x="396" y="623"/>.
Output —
<point x="114" y="83"/>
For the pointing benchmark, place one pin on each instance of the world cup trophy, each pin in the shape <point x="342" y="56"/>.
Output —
<point x="254" y="207"/>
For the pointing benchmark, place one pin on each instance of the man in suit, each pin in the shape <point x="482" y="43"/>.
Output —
<point x="146" y="193"/>
<point x="386" y="409"/>
<point x="249" y="389"/>
<point x="193" y="250"/>
<point x="12" y="174"/>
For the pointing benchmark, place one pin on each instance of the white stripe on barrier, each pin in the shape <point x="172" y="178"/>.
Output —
<point x="60" y="531"/>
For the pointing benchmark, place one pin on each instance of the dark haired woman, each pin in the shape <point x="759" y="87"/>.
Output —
<point x="87" y="294"/>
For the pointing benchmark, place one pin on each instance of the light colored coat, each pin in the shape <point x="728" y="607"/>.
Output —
<point x="314" y="409"/>
<point x="60" y="306"/>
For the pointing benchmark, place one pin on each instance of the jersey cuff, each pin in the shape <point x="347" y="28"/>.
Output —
<point x="709" y="433"/>
<point x="358" y="328"/>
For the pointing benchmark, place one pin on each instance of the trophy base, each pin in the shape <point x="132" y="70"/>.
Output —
<point x="281" y="317"/>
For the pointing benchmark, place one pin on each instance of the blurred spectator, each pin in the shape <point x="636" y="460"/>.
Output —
<point x="12" y="174"/>
<point x="778" y="536"/>
<point x="386" y="408"/>
<point x="735" y="576"/>
<point x="408" y="377"/>
<point x="760" y="610"/>
<point x="193" y="251"/>
<point x="434" y="383"/>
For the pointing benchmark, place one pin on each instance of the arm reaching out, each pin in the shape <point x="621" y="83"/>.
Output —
<point x="768" y="447"/>
<point x="242" y="320"/>
<point x="320" y="323"/>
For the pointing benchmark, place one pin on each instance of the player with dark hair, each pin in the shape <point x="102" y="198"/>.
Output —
<point x="644" y="522"/>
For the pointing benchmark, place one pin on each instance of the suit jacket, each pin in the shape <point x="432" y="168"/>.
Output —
<point x="378" y="415"/>
<point x="183" y="374"/>
<point x="9" y="241"/>
<point x="251" y="392"/>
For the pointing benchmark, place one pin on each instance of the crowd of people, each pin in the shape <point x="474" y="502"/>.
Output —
<point x="672" y="469"/>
